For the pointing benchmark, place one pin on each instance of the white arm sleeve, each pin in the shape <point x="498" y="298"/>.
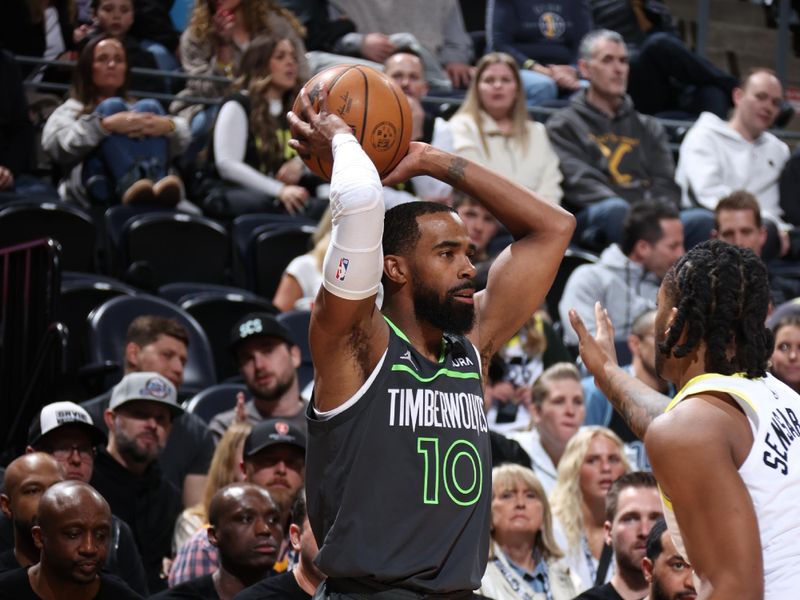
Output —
<point x="354" y="262"/>
<point x="230" y="146"/>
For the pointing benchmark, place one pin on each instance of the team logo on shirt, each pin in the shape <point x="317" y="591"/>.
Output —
<point x="552" y="25"/>
<point x="341" y="270"/>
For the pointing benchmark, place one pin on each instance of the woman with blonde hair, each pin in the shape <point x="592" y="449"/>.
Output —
<point x="492" y="128"/>
<point x="524" y="558"/>
<point x="593" y="459"/>
<point x="225" y="468"/>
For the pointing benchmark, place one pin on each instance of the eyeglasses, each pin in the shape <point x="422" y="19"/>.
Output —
<point x="86" y="453"/>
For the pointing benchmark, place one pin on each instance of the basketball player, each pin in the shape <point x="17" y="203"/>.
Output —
<point x="723" y="453"/>
<point x="398" y="466"/>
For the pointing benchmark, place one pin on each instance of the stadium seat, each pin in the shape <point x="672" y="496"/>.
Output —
<point x="573" y="258"/>
<point x="182" y="290"/>
<point x="115" y="219"/>
<point x="72" y="227"/>
<point x="297" y="322"/>
<point x="214" y="400"/>
<point x="171" y="247"/>
<point x="108" y="326"/>
<point x="269" y="253"/>
<point x="242" y="234"/>
<point x="217" y="312"/>
<point x="80" y="294"/>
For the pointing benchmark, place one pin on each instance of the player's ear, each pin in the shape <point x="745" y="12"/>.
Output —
<point x="395" y="268"/>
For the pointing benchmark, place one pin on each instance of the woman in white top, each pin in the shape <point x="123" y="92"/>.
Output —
<point x="492" y="128"/>
<point x="524" y="559"/>
<point x="251" y="134"/>
<point x="592" y="460"/>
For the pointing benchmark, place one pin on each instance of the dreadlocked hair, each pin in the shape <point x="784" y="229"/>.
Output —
<point x="722" y="296"/>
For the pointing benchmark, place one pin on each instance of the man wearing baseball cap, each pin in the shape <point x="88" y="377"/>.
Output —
<point x="273" y="458"/>
<point x="65" y="431"/>
<point x="127" y="474"/>
<point x="267" y="359"/>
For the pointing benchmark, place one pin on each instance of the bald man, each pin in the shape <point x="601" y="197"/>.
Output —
<point x="246" y="529"/>
<point x="27" y="478"/>
<point x="72" y="530"/>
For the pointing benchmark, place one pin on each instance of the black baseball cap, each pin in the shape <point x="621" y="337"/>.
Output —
<point x="60" y="414"/>
<point x="271" y="432"/>
<point x="256" y="325"/>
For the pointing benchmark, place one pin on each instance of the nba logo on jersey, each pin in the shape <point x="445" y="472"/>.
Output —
<point x="341" y="270"/>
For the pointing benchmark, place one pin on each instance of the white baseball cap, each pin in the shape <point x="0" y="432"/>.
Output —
<point x="146" y="386"/>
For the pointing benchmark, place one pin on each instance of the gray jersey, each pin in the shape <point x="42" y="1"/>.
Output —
<point x="399" y="482"/>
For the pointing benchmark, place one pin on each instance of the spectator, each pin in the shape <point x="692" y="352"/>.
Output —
<point x="785" y="361"/>
<point x="611" y="156"/>
<point x="665" y="76"/>
<point x="246" y="530"/>
<point x="26" y="479"/>
<point x="126" y="471"/>
<point x="274" y="458"/>
<point x="718" y="157"/>
<point x="557" y="411"/>
<point x="115" y="18"/>
<point x="535" y="348"/>
<point x="407" y="70"/>
<point x="302" y="277"/>
<point x="217" y="36"/>
<point x="593" y="460"/>
<point x="42" y="29"/>
<point x="225" y="469"/>
<point x="303" y="580"/>
<point x="250" y="141"/>
<point x="438" y="36"/>
<point x="642" y="346"/>
<point x="100" y="140"/>
<point x="493" y="128"/>
<point x="153" y="23"/>
<point x="627" y="276"/>
<point x="737" y="220"/>
<point x="543" y="37"/>
<point x="524" y="559"/>
<point x="481" y="225"/>
<point x="668" y="574"/>
<point x="268" y="360"/>
<point x="69" y="564"/>
<point x="633" y="506"/>
<point x="17" y="139"/>
<point x="65" y="431"/>
<point x="505" y="407"/>
<point x="155" y="343"/>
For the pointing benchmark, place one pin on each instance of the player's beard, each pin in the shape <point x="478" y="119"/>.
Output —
<point x="448" y="315"/>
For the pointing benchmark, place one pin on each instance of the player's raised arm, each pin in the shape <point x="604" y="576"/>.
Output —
<point x="522" y="274"/>
<point x="347" y="334"/>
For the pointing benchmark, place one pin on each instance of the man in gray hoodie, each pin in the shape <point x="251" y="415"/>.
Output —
<point x="611" y="156"/>
<point x="626" y="278"/>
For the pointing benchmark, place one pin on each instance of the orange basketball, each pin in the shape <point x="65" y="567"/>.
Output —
<point x="372" y="105"/>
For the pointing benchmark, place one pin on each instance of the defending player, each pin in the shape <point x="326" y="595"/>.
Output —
<point x="723" y="453"/>
<point x="398" y="469"/>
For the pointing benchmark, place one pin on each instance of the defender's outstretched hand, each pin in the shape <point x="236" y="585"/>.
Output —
<point x="313" y="130"/>
<point x="599" y="350"/>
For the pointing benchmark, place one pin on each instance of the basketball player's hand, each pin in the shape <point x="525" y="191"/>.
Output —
<point x="313" y="130"/>
<point x="599" y="350"/>
<point x="411" y="165"/>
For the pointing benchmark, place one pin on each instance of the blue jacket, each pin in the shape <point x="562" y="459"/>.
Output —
<point x="546" y="31"/>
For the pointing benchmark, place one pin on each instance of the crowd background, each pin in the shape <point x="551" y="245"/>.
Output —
<point x="152" y="145"/>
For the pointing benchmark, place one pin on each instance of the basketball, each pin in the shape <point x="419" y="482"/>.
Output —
<point x="372" y="105"/>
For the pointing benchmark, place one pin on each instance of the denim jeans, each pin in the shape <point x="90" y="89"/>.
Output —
<point x="121" y="160"/>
